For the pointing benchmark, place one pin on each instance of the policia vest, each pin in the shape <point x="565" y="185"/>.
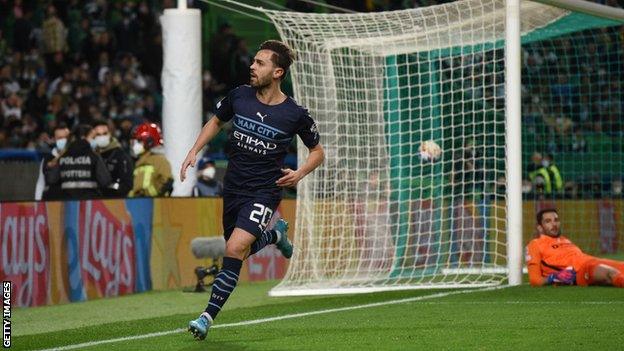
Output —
<point x="82" y="173"/>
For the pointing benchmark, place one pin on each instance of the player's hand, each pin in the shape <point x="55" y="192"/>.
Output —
<point x="565" y="276"/>
<point x="190" y="160"/>
<point x="290" y="178"/>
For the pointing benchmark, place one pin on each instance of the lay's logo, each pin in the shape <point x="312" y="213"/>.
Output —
<point x="24" y="251"/>
<point x="106" y="245"/>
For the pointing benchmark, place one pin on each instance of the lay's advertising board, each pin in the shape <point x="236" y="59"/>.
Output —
<point x="59" y="252"/>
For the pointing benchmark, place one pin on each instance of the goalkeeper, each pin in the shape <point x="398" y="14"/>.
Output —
<point x="265" y="120"/>
<point x="553" y="259"/>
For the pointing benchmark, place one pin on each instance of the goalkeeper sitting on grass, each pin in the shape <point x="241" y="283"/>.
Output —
<point x="554" y="259"/>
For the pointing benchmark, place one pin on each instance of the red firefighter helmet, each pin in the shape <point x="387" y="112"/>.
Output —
<point x="149" y="134"/>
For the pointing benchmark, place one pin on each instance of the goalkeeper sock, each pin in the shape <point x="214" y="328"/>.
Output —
<point x="618" y="280"/>
<point x="268" y="237"/>
<point x="223" y="285"/>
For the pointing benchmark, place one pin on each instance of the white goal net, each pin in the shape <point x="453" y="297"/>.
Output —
<point x="375" y="216"/>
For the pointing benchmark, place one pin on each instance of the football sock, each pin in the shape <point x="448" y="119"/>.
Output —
<point x="618" y="280"/>
<point x="223" y="285"/>
<point x="268" y="237"/>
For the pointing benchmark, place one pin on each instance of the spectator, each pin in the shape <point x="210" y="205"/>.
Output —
<point x="117" y="161"/>
<point x="52" y="191"/>
<point x="22" y="32"/>
<point x="4" y="46"/>
<point x="222" y="47"/>
<point x="207" y="185"/>
<point x="37" y="101"/>
<point x="241" y="60"/>
<point x="555" y="174"/>
<point x="127" y="32"/>
<point x="80" y="172"/>
<point x="578" y="143"/>
<point x="152" y="174"/>
<point x="12" y="107"/>
<point x="54" y="38"/>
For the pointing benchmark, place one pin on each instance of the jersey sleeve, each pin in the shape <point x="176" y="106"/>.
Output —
<point x="533" y="260"/>
<point x="225" y="110"/>
<point x="308" y="131"/>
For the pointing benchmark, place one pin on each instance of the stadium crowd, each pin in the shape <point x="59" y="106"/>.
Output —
<point x="77" y="62"/>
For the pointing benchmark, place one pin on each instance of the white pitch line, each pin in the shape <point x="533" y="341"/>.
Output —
<point x="278" y="318"/>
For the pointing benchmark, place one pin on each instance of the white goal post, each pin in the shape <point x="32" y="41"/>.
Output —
<point x="375" y="216"/>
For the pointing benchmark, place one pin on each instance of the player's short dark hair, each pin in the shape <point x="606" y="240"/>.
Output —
<point x="282" y="57"/>
<point x="542" y="212"/>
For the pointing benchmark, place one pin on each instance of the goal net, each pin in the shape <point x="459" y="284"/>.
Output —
<point x="375" y="216"/>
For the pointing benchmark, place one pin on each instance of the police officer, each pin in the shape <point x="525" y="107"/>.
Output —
<point x="118" y="162"/>
<point x="152" y="172"/>
<point x="61" y="136"/>
<point x="81" y="173"/>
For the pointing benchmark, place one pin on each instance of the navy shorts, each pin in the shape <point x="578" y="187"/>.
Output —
<point x="250" y="213"/>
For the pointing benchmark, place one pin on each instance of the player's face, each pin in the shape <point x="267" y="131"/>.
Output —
<point x="262" y="70"/>
<point x="550" y="224"/>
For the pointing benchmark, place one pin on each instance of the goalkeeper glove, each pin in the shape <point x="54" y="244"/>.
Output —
<point x="565" y="276"/>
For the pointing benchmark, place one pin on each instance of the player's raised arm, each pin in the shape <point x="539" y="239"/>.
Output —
<point x="315" y="158"/>
<point x="209" y="131"/>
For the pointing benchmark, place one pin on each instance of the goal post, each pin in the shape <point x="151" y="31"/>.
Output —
<point x="375" y="216"/>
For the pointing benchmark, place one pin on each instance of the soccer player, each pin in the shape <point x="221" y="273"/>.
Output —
<point x="264" y="122"/>
<point x="554" y="259"/>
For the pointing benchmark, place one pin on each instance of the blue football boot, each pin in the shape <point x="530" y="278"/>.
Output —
<point x="283" y="244"/>
<point x="199" y="327"/>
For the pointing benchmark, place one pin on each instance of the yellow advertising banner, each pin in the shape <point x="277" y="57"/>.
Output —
<point x="177" y="221"/>
<point x="58" y="255"/>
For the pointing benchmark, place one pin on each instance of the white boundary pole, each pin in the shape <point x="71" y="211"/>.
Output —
<point x="513" y="142"/>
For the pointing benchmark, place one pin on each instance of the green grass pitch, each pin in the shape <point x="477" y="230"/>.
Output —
<point x="518" y="318"/>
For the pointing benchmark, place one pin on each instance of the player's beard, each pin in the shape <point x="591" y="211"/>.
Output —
<point x="555" y="233"/>
<point x="260" y="83"/>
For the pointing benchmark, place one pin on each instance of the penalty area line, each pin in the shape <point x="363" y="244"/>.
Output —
<point x="276" y="318"/>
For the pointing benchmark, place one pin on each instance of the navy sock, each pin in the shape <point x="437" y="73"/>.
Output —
<point x="268" y="237"/>
<point x="223" y="285"/>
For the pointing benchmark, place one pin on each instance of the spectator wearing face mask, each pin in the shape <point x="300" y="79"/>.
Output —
<point x="52" y="191"/>
<point x="80" y="172"/>
<point x="118" y="162"/>
<point x="206" y="184"/>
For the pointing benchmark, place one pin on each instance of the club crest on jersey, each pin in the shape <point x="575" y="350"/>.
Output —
<point x="314" y="128"/>
<point x="261" y="116"/>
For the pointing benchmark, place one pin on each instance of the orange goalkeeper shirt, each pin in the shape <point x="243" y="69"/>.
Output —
<point x="546" y="255"/>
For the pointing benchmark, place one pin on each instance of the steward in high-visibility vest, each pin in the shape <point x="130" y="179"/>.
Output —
<point x="555" y="174"/>
<point x="152" y="171"/>
<point x="545" y="175"/>
<point x="553" y="181"/>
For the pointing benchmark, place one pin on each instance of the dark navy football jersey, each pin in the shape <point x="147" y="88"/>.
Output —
<point x="259" y="139"/>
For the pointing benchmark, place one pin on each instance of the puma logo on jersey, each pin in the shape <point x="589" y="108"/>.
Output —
<point x="261" y="116"/>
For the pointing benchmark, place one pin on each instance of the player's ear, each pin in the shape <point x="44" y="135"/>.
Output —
<point x="278" y="72"/>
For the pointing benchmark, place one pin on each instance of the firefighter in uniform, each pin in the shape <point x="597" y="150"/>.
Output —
<point x="152" y="171"/>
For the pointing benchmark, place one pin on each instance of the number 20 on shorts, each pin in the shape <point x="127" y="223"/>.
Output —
<point x="262" y="215"/>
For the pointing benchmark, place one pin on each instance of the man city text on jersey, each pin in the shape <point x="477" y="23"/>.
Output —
<point x="259" y="140"/>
